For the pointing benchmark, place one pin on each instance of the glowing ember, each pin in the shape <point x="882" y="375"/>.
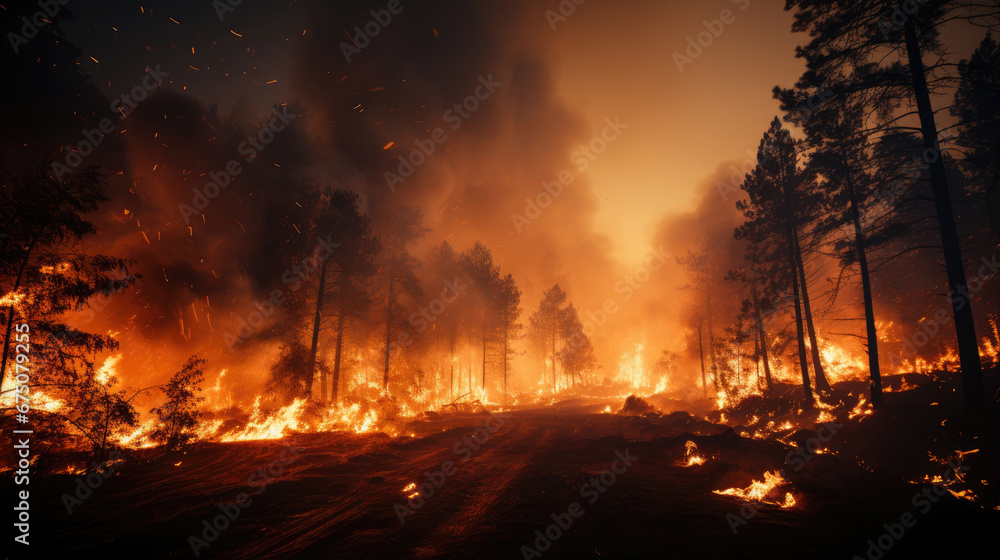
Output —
<point x="860" y="409"/>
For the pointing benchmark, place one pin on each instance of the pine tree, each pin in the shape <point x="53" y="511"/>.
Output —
<point x="977" y="105"/>
<point x="344" y="275"/>
<point x="774" y="188"/>
<point x="873" y="53"/>
<point x="398" y="274"/>
<point x="546" y="326"/>
<point x="577" y="355"/>
<point x="508" y="312"/>
<point x="484" y="275"/>
<point x="45" y="274"/>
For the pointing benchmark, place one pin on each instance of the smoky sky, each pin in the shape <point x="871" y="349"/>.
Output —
<point x="203" y="273"/>
<point x="484" y="180"/>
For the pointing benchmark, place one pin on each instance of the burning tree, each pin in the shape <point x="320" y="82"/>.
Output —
<point x="98" y="414"/>
<point x="862" y="207"/>
<point x="546" y="326"/>
<point x="344" y="278"/>
<point x="447" y="269"/>
<point x="398" y="277"/>
<point x="556" y="330"/>
<point x="180" y="413"/>
<point x="750" y="311"/>
<point x="508" y="312"/>
<point x="772" y="221"/>
<point x="577" y="356"/>
<point x="484" y="275"/>
<point x="46" y="275"/>
<point x="861" y="52"/>
<point x="292" y="374"/>
<point x="706" y="270"/>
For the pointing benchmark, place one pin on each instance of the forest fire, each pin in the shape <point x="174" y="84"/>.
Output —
<point x="461" y="280"/>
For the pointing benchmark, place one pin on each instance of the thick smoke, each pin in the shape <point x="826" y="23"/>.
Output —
<point x="206" y="272"/>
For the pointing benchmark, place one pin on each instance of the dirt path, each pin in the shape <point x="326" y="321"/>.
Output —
<point x="336" y="498"/>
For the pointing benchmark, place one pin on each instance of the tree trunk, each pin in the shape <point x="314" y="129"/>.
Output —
<point x="336" y="355"/>
<point x="762" y="340"/>
<point x="875" y="374"/>
<point x="756" y="361"/>
<point x="484" y="356"/>
<point x="701" y="354"/>
<point x="711" y="346"/>
<point x="315" y="336"/>
<point x="803" y="363"/>
<point x="505" y="350"/>
<point x="468" y="355"/>
<point x="821" y="383"/>
<point x="555" y="386"/>
<point x="973" y="390"/>
<point x="453" y="358"/>
<point x="17" y="285"/>
<point x="388" y="320"/>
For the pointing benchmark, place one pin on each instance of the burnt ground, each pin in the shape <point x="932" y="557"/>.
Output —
<point x="336" y="498"/>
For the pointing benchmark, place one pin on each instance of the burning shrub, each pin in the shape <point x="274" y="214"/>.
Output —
<point x="179" y="415"/>
<point x="290" y="376"/>
<point x="636" y="406"/>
